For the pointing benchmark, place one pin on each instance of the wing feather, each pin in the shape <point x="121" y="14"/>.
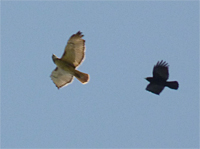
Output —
<point x="160" y="70"/>
<point x="155" y="88"/>
<point x="75" y="50"/>
<point x="60" y="77"/>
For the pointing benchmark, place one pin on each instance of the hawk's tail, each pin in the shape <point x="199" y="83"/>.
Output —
<point x="172" y="84"/>
<point x="82" y="77"/>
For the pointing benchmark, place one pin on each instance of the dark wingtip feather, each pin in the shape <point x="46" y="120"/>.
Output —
<point x="79" y="33"/>
<point x="162" y="63"/>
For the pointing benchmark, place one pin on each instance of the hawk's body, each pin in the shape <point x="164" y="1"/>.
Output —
<point x="66" y="66"/>
<point x="159" y="79"/>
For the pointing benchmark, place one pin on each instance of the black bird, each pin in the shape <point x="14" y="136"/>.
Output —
<point x="159" y="79"/>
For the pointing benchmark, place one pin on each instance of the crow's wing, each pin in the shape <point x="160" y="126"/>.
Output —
<point x="155" y="88"/>
<point x="160" y="70"/>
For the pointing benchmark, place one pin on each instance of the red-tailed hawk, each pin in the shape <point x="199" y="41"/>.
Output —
<point x="159" y="79"/>
<point x="66" y="65"/>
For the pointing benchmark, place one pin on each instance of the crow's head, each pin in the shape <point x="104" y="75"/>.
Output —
<point x="150" y="79"/>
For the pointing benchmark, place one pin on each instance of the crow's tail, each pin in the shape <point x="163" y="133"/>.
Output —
<point x="172" y="84"/>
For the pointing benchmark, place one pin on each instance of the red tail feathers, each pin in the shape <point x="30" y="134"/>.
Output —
<point x="82" y="77"/>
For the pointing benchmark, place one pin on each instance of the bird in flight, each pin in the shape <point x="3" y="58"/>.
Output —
<point x="66" y="65"/>
<point x="159" y="79"/>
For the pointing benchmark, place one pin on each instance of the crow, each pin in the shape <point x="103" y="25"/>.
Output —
<point x="159" y="79"/>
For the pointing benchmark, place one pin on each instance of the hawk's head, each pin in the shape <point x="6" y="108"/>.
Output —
<point x="54" y="58"/>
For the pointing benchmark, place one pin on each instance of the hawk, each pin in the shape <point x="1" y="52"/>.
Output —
<point x="66" y="65"/>
<point x="159" y="79"/>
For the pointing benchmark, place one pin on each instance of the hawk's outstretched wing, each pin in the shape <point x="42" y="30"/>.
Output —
<point x="160" y="70"/>
<point x="75" y="50"/>
<point x="61" y="77"/>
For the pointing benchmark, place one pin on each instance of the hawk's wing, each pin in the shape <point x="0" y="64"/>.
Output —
<point x="160" y="70"/>
<point x="74" y="50"/>
<point x="155" y="88"/>
<point x="60" y="77"/>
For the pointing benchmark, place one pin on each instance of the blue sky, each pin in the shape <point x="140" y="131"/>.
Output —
<point x="124" y="40"/>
